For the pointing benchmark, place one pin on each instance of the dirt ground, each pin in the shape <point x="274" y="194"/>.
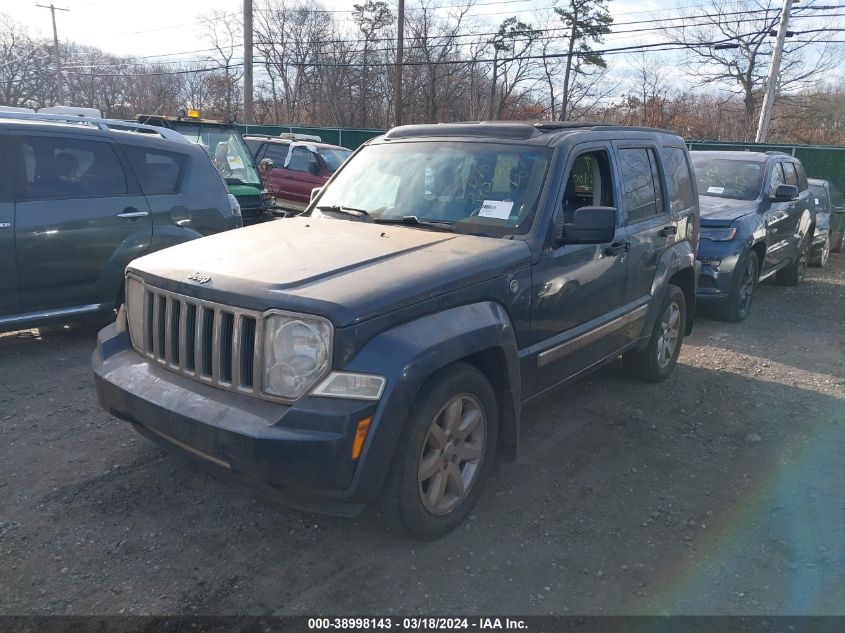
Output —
<point x="718" y="492"/>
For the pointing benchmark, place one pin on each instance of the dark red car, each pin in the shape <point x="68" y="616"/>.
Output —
<point x="292" y="167"/>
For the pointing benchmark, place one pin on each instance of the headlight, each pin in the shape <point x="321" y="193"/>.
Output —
<point x="234" y="204"/>
<point x="135" y="312"/>
<point x="297" y="353"/>
<point x="718" y="235"/>
<point x="341" y="384"/>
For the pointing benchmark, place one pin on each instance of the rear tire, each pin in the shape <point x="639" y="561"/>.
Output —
<point x="742" y="292"/>
<point x="794" y="274"/>
<point x="658" y="359"/>
<point x="444" y="455"/>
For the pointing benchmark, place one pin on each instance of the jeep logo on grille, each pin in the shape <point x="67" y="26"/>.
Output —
<point x="199" y="278"/>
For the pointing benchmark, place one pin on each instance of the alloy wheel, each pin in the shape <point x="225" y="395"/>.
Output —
<point x="452" y="453"/>
<point x="670" y="330"/>
<point x="803" y="260"/>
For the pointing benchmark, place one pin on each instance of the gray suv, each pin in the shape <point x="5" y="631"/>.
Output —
<point x="80" y="200"/>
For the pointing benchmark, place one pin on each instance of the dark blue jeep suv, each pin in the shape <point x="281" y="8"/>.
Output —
<point x="380" y="346"/>
<point x="757" y="220"/>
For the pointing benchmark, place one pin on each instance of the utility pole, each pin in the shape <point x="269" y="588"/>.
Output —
<point x="400" y="45"/>
<point x="774" y="71"/>
<point x="248" y="62"/>
<point x="58" y="56"/>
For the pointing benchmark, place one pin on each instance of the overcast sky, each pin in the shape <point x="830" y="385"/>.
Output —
<point x="154" y="27"/>
<point x="164" y="27"/>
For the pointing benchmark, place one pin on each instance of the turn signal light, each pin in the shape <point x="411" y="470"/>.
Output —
<point x="360" y="436"/>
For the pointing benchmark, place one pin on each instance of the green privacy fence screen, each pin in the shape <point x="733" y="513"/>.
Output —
<point x="345" y="137"/>
<point x="820" y="161"/>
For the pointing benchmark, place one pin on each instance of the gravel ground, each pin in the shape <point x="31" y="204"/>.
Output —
<point x="717" y="492"/>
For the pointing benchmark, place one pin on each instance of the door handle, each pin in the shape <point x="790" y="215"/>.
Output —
<point x="130" y="213"/>
<point x="5" y="225"/>
<point x="617" y="247"/>
<point x="666" y="231"/>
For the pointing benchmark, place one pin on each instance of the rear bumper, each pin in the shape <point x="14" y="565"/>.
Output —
<point x="297" y="454"/>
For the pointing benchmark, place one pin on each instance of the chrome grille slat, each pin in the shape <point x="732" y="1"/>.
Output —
<point x="215" y="346"/>
<point x="183" y="319"/>
<point x="237" y="324"/>
<point x="157" y="299"/>
<point x="171" y="335"/>
<point x="168" y="331"/>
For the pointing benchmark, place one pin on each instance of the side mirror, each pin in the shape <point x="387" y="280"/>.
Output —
<point x="315" y="192"/>
<point x="591" y="225"/>
<point x="785" y="193"/>
<point x="266" y="165"/>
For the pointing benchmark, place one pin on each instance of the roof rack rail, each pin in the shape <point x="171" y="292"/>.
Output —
<point x="775" y="152"/>
<point x="103" y="124"/>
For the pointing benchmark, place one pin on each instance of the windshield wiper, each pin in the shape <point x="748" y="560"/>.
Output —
<point x="339" y="208"/>
<point x="412" y="220"/>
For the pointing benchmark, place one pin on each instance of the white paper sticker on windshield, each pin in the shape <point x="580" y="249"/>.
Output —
<point x="818" y="201"/>
<point x="715" y="190"/>
<point x="499" y="209"/>
<point x="235" y="162"/>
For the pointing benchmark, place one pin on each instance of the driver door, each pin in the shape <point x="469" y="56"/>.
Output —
<point x="578" y="289"/>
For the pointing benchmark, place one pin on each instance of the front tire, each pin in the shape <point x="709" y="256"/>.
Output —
<point x="658" y="359"/>
<point x="741" y="295"/>
<point x="444" y="454"/>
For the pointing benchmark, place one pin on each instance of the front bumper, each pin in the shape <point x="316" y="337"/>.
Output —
<point x="716" y="277"/>
<point x="299" y="454"/>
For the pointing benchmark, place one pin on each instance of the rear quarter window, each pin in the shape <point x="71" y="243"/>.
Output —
<point x="679" y="178"/>
<point x="60" y="167"/>
<point x="158" y="172"/>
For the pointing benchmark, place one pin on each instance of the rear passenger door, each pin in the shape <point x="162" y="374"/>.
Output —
<point x="647" y="224"/>
<point x="79" y="220"/>
<point x="9" y="168"/>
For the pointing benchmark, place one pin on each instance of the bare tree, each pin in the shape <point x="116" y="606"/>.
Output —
<point x="742" y="70"/>
<point x="223" y="31"/>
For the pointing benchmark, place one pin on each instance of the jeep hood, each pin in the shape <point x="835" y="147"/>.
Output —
<point x="723" y="211"/>
<point x="345" y="271"/>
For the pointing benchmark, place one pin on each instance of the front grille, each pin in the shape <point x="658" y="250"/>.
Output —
<point x="210" y="342"/>
<point x="250" y="202"/>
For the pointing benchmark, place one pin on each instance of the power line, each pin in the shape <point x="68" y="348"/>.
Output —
<point x="607" y="51"/>
<point x="411" y="46"/>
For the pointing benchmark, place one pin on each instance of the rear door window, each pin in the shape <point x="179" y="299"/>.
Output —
<point x="303" y="159"/>
<point x="642" y="193"/>
<point x="158" y="172"/>
<point x="58" y="167"/>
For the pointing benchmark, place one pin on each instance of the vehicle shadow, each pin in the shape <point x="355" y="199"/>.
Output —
<point x="711" y="493"/>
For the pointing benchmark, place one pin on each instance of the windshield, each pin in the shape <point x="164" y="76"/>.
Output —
<point x="728" y="177"/>
<point x="334" y="157"/>
<point x="481" y="188"/>
<point x="227" y="149"/>
<point x="820" y="196"/>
